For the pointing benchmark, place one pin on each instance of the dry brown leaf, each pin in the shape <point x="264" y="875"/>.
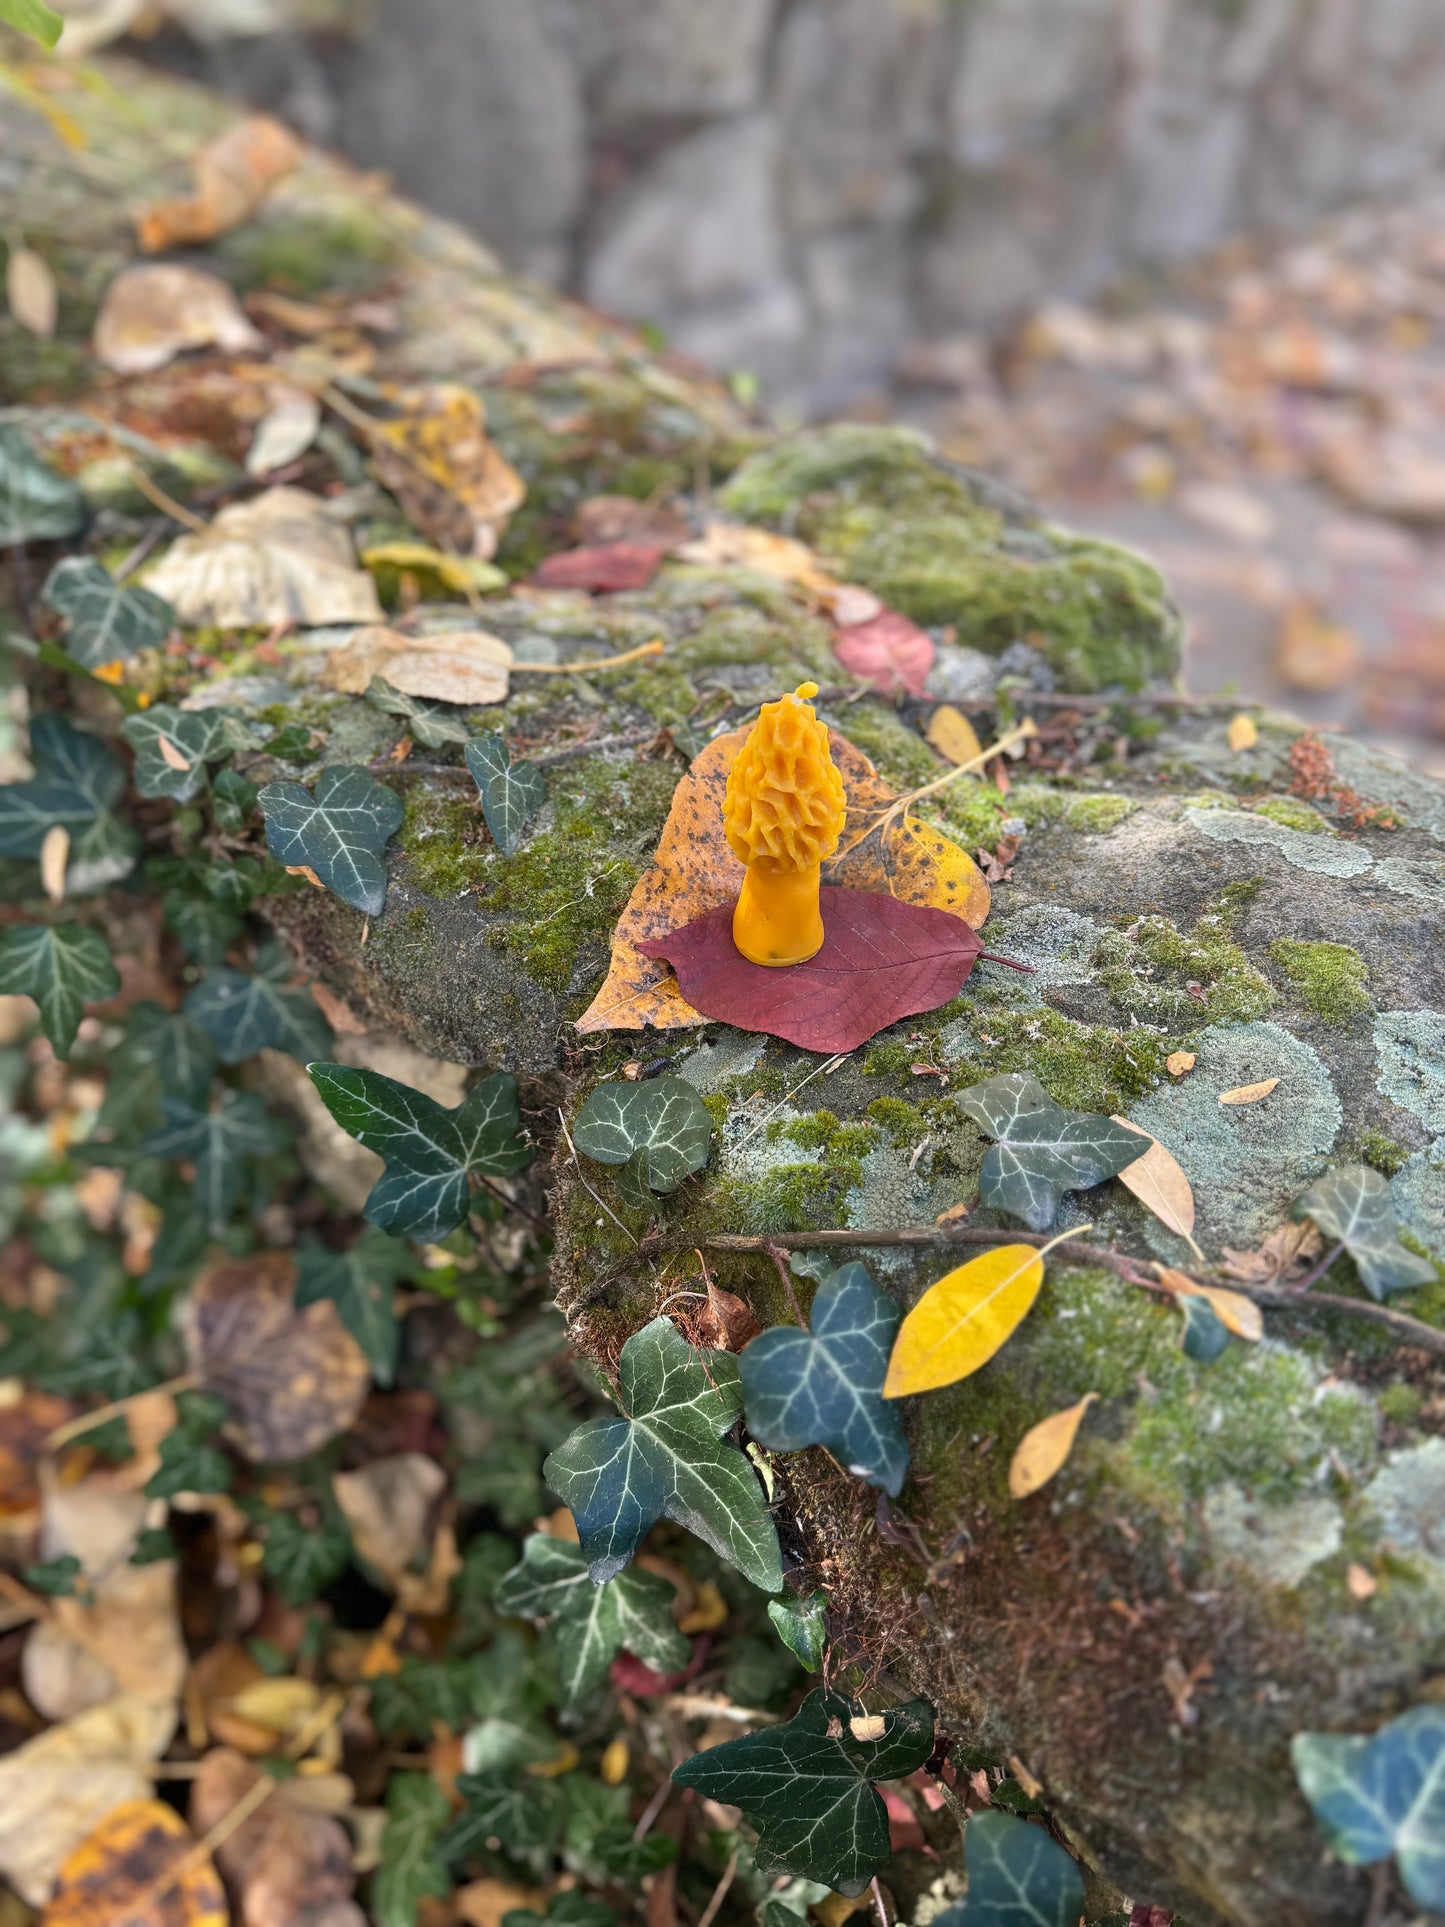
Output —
<point x="286" y="430"/>
<point x="1178" y="1062"/>
<point x="604" y="519"/>
<point x="469" y="666"/>
<point x="693" y="871"/>
<point x="27" y="1418"/>
<point x="451" y="480"/>
<point x="953" y="735"/>
<point x="1248" y="1093"/>
<point x="729" y="545"/>
<point x="1235" y="1312"/>
<point x="292" y="1379"/>
<point x="386" y="1505"/>
<point x="233" y="173"/>
<point x="726" y="1321"/>
<point x="149" y="315"/>
<point x="1314" y="655"/>
<point x="280" y="558"/>
<point x="484" y="1903"/>
<point x="1158" y="1182"/>
<point x="1361" y="1581"/>
<point x="1045" y="1447"/>
<point x="1243" y="732"/>
<point x="54" y="855"/>
<point x="31" y="293"/>
<point x="305" y="870"/>
<point x="1290" y="1247"/>
<point x="139" y="1867"/>
<point x="283" y="1864"/>
<point x="56" y="1788"/>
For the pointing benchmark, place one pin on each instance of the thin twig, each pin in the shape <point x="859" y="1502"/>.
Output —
<point x="87" y="1421"/>
<point x="587" y="1187"/>
<point x="720" y="1892"/>
<point x="513" y="1204"/>
<point x="177" y="511"/>
<point x="1018" y="734"/>
<point x="877" y="1902"/>
<point x="653" y="648"/>
<point x="650" y="1812"/>
<point x="1317" y="1271"/>
<point x="821" y="1070"/>
<point x="788" y="1285"/>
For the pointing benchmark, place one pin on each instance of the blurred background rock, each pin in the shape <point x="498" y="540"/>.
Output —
<point x="878" y="207"/>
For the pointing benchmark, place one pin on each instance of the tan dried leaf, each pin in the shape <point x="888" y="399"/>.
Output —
<point x="726" y="1322"/>
<point x="1248" y="1093"/>
<point x="1158" y="1182"/>
<point x="1361" y="1581"/>
<point x="953" y="735"/>
<point x="1045" y="1447"/>
<point x="233" y="173"/>
<point x="1235" y="1312"/>
<point x="54" y="855"/>
<point x="305" y="870"/>
<point x="170" y="754"/>
<point x="31" y="293"/>
<point x="386" y="1505"/>
<point x="728" y="545"/>
<point x="867" y="1726"/>
<point x="280" y="558"/>
<point x="454" y="484"/>
<point x="1243" y="732"/>
<point x="292" y="1379"/>
<point x="1178" y="1062"/>
<point x="469" y="667"/>
<point x="286" y="430"/>
<point x="283" y="1864"/>
<point x="1290" y="1247"/>
<point x="149" y="315"/>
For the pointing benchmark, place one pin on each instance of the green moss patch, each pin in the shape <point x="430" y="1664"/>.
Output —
<point x="1329" y="978"/>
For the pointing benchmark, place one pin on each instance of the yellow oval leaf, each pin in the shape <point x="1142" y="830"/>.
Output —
<point x="54" y="855"/>
<point x="1243" y="732"/>
<point x="1248" y="1093"/>
<point x="615" y="1759"/>
<point x="142" y="1864"/>
<point x="1178" y="1062"/>
<point x="1045" y="1447"/>
<point x="1235" y="1312"/>
<point x="1158" y="1182"/>
<point x="959" y="1323"/>
<point x="953" y="735"/>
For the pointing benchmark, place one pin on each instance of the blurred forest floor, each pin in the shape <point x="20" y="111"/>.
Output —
<point x="1269" y="425"/>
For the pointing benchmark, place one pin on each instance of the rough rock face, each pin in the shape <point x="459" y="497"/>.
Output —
<point x="1144" y="1636"/>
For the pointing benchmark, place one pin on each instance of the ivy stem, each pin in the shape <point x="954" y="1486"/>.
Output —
<point x="788" y="1285"/>
<point x="87" y="1421"/>
<point x="877" y="1902"/>
<point x="581" y="1176"/>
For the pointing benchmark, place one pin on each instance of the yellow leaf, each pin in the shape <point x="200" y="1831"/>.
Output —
<point x="1248" y="1093"/>
<point x="563" y="1761"/>
<point x="459" y="573"/>
<point x="615" y="1758"/>
<point x="139" y="1865"/>
<point x="1045" y="1447"/>
<point x="959" y="1323"/>
<point x="953" y="735"/>
<point x="1243" y="733"/>
<point x="708" y="1614"/>
<point x="1159" y="1183"/>
<point x="1178" y="1062"/>
<point x="281" y="1704"/>
<point x="1235" y="1312"/>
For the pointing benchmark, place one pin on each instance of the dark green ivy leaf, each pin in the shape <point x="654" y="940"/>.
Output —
<point x="76" y="781"/>
<point x="339" y="832"/>
<point x="512" y="793"/>
<point x="189" y="1463"/>
<point x="632" y="1612"/>
<point x="658" y="1130"/>
<point x="807" y="1786"/>
<point x="431" y="724"/>
<point x="411" y="1868"/>
<point x="220" y="1141"/>
<point x="206" y="929"/>
<point x="524" y="1813"/>
<point x="824" y="1386"/>
<point x="361" y="1283"/>
<point x="1353" y="1207"/>
<point x="802" y="1626"/>
<point x="1018" y="1876"/>
<point x="64" y="968"/>
<point x="36" y="504"/>
<point x="242" y="1015"/>
<point x="1205" y="1334"/>
<point x="301" y="1561"/>
<point x="106" y="622"/>
<point x="429" y="1150"/>
<point x="153" y="1544"/>
<point x="193" y="738"/>
<point x="1383" y="1793"/>
<point x="56" y="1578"/>
<point x="1042" y="1150"/>
<point x="570" y="1908"/>
<point x="161" y="1054"/>
<point x="666" y="1459"/>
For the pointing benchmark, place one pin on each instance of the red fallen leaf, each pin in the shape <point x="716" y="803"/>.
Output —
<point x="904" y="1829"/>
<point x="881" y="960"/>
<point x="892" y="652"/>
<point x="632" y="1675"/>
<point x="602" y="570"/>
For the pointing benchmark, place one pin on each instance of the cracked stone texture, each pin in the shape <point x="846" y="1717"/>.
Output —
<point x="1042" y="1629"/>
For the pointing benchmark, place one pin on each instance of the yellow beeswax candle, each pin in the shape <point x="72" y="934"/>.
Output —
<point x="783" y="813"/>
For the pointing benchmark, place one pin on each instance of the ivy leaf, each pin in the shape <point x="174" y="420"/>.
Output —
<point x="1018" y="1876"/>
<point x="301" y="1561"/>
<point x="959" y="1323"/>
<point x="339" y="832"/>
<point x="36" y="504"/>
<point x="666" y="1459"/>
<point x="173" y="746"/>
<point x="824" y="1386"/>
<point x="512" y="793"/>
<point x="411" y="1868"/>
<point x="189" y="1464"/>
<point x="63" y="968"/>
<point x="632" y="1612"/>
<point x="807" y="1786"/>
<point x="205" y="929"/>
<point x="429" y="1150"/>
<point x="56" y="1578"/>
<point x="1353" y="1207"/>
<point x="1383" y="1793"/>
<point x="1042" y="1150"/>
<point x="526" y="1814"/>
<point x="802" y="1626"/>
<point x="220" y="1141"/>
<point x="162" y="1054"/>
<point x="242" y="1015"/>
<point x="1205" y="1336"/>
<point x="659" y="1131"/>
<point x="573" y="1908"/>
<point x="106" y="622"/>
<point x="431" y="724"/>
<point x="361" y="1284"/>
<point x="76" y="781"/>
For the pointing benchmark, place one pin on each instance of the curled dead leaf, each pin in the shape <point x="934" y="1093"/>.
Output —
<point x="1178" y="1062"/>
<point x="151" y="314"/>
<point x="435" y="456"/>
<point x="1158" y="1182"/>
<point x="233" y="175"/>
<point x="1045" y="1447"/>
<point x="1248" y="1093"/>
<point x="1235" y="1312"/>
<point x="279" y="558"/>
<point x="466" y="667"/>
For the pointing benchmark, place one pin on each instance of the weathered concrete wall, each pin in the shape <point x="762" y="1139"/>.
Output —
<point x="798" y="187"/>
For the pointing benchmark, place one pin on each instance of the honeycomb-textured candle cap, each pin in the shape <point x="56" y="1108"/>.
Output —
<point x="784" y="803"/>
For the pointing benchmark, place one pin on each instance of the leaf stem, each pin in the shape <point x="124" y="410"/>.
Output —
<point x="788" y="1285"/>
<point x="87" y="1421"/>
<point x="653" y="648"/>
<point x="1319" y="1270"/>
<point x="1018" y="734"/>
<point x="167" y="504"/>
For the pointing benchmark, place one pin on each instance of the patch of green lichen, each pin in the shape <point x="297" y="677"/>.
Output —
<point x="1099" y="813"/>
<point x="1401" y="1404"/>
<point x="1148" y="971"/>
<point x="347" y="248"/>
<point x="883" y="511"/>
<point x="900" y="757"/>
<point x="795" y="1197"/>
<point x="1085" y="1067"/>
<point x="1294" y="814"/>
<point x="1328" y="978"/>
